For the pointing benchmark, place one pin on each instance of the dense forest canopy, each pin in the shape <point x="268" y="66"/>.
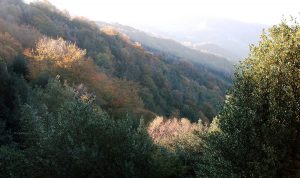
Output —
<point x="58" y="70"/>
<point x="165" y="85"/>
<point x="77" y="100"/>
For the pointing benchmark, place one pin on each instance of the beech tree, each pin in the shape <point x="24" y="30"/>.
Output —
<point x="50" y="54"/>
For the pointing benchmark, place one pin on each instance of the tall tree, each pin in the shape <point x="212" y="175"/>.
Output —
<point x="258" y="133"/>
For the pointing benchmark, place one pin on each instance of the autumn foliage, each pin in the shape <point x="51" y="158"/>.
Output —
<point x="9" y="47"/>
<point x="59" y="57"/>
<point x="175" y="132"/>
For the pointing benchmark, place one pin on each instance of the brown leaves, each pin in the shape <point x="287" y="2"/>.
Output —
<point x="9" y="47"/>
<point x="58" y="57"/>
<point x="25" y="34"/>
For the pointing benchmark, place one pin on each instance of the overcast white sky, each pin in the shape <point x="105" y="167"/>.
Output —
<point x="167" y="12"/>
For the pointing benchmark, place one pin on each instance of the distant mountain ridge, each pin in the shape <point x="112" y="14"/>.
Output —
<point x="216" y="50"/>
<point x="230" y="35"/>
<point x="171" y="47"/>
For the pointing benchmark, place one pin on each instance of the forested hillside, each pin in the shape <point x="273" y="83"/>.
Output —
<point x="81" y="101"/>
<point x="73" y="94"/>
<point x="153" y="84"/>
<point x="172" y="49"/>
<point x="228" y="35"/>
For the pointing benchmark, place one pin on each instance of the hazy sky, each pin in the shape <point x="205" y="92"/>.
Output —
<point x="162" y="13"/>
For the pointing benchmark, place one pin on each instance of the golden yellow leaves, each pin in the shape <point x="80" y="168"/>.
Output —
<point x="51" y="54"/>
<point x="109" y="30"/>
<point x="112" y="31"/>
<point x="138" y="45"/>
<point x="59" y="52"/>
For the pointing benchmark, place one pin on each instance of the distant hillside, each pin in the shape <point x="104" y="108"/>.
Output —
<point x="217" y="50"/>
<point x="231" y="35"/>
<point x="171" y="47"/>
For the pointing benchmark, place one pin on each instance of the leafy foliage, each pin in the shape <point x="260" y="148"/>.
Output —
<point x="9" y="47"/>
<point x="52" y="57"/>
<point x="13" y="93"/>
<point x="90" y="125"/>
<point x="258" y="133"/>
<point x="166" y="81"/>
<point x="72" y="137"/>
<point x="178" y="137"/>
<point x="50" y="54"/>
